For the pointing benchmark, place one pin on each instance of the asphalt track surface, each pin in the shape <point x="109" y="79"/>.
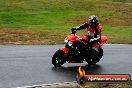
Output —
<point x="25" y="65"/>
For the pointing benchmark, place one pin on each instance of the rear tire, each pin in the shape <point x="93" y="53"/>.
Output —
<point x="100" y="54"/>
<point x="58" y="58"/>
<point x="91" y="62"/>
<point x="95" y="57"/>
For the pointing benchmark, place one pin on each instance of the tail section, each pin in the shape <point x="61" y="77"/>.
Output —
<point x="103" y="40"/>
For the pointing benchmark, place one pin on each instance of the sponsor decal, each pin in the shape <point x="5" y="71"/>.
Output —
<point x="82" y="78"/>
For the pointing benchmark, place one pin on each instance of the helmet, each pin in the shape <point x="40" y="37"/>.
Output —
<point x="93" y="21"/>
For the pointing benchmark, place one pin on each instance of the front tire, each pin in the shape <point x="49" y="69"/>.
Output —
<point x="58" y="58"/>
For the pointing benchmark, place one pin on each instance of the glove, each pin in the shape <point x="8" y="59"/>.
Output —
<point x="73" y="30"/>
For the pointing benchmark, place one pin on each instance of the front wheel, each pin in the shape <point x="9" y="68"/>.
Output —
<point x="58" y="58"/>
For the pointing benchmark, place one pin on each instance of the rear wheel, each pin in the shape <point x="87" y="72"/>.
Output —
<point x="100" y="53"/>
<point x="95" y="56"/>
<point x="58" y="58"/>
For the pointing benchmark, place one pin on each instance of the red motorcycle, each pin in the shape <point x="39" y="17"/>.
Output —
<point x="77" y="50"/>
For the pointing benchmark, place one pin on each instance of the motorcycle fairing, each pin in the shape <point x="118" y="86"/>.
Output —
<point x="65" y="49"/>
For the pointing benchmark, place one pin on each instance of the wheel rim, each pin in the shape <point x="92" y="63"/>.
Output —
<point x="58" y="60"/>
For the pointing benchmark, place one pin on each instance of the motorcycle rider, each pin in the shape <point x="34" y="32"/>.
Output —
<point x="94" y="31"/>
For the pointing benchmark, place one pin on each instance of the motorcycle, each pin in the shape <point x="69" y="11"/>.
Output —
<point x="77" y="50"/>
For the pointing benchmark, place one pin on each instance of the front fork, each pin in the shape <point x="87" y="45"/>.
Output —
<point x="68" y="53"/>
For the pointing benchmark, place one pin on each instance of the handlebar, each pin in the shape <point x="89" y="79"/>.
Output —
<point x="73" y="30"/>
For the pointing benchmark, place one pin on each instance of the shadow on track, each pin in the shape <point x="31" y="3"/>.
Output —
<point x="72" y="71"/>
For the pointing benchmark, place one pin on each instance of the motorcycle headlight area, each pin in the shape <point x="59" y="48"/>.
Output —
<point x="70" y="43"/>
<point x="66" y="41"/>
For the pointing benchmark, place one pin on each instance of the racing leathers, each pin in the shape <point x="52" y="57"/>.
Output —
<point x="94" y="33"/>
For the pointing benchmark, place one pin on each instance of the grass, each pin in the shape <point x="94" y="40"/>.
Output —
<point x="102" y="85"/>
<point x="49" y="21"/>
<point x="122" y="85"/>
